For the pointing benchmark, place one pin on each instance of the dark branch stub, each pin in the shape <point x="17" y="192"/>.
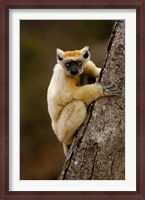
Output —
<point x="109" y="47"/>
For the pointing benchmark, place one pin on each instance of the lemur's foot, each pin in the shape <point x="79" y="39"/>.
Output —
<point x="111" y="90"/>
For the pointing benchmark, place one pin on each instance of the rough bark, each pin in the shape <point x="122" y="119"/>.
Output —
<point x="98" y="149"/>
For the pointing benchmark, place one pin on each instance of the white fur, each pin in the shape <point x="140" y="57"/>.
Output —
<point x="67" y="102"/>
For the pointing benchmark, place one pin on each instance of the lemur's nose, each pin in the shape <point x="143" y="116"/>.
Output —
<point x="74" y="70"/>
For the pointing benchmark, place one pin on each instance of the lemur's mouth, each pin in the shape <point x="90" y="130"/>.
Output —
<point x="74" y="73"/>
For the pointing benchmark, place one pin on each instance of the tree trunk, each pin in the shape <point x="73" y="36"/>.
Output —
<point x="98" y="149"/>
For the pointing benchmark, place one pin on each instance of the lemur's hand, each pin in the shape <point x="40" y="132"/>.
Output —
<point x="111" y="90"/>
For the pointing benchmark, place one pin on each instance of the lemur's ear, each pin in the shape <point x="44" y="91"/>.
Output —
<point x="85" y="48"/>
<point x="59" y="54"/>
<point x="85" y="52"/>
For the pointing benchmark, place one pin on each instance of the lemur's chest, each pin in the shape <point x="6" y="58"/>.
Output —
<point x="72" y="82"/>
<point x="85" y="79"/>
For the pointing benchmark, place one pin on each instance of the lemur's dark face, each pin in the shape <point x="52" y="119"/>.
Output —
<point x="73" y="62"/>
<point x="73" y="67"/>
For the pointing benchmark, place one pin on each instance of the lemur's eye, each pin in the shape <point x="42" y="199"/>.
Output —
<point x="79" y="63"/>
<point x="67" y="65"/>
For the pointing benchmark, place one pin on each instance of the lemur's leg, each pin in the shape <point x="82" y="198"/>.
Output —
<point x="72" y="116"/>
<point x="65" y="148"/>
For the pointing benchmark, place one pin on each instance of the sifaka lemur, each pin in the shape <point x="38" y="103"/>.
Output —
<point x="67" y="99"/>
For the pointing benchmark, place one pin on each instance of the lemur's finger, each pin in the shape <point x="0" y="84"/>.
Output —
<point x="111" y="87"/>
<point x="97" y="80"/>
<point x="111" y="90"/>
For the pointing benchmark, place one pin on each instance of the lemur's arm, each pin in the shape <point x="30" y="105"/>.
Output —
<point x="91" y="92"/>
<point x="88" y="93"/>
<point x="92" y="70"/>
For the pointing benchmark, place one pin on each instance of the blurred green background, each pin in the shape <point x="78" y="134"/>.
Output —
<point x="41" y="154"/>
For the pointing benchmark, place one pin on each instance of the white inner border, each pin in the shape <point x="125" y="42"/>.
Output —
<point x="15" y="184"/>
